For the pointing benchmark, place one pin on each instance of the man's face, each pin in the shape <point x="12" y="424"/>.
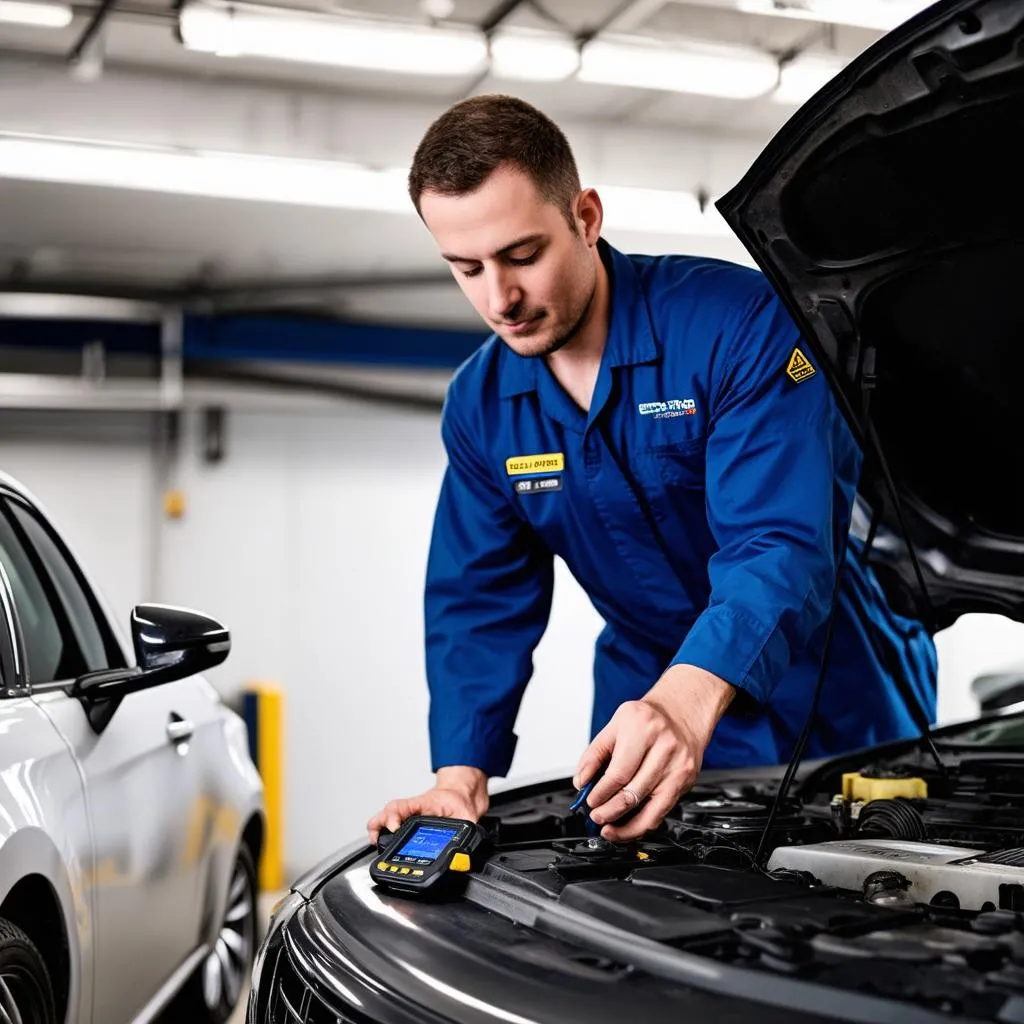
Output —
<point x="526" y="272"/>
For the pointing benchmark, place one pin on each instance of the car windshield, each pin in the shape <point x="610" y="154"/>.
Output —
<point x="1005" y="731"/>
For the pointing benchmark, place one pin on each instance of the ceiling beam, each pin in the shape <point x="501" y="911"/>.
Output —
<point x="230" y="297"/>
<point x="280" y="289"/>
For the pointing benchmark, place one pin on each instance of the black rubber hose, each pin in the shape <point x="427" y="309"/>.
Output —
<point x="891" y="819"/>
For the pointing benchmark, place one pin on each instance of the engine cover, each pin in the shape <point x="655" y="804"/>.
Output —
<point x="944" y="876"/>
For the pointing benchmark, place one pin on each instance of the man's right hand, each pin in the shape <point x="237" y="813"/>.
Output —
<point x="459" y="792"/>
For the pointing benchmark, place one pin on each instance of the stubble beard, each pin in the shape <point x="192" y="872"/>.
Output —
<point x="563" y="338"/>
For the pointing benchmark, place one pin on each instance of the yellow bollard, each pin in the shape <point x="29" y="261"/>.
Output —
<point x="263" y="704"/>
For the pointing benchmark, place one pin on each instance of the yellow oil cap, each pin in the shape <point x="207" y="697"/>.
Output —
<point x="460" y="862"/>
<point x="857" y="787"/>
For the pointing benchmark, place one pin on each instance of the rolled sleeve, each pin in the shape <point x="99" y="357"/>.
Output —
<point x="487" y="602"/>
<point x="780" y="475"/>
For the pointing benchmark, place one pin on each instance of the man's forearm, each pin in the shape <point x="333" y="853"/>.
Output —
<point x="686" y="692"/>
<point x="467" y="780"/>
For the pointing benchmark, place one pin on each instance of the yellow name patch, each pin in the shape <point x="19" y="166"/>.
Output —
<point x="552" y="462"/>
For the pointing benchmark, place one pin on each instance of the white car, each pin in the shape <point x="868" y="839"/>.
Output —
<point x="131" y="814"/>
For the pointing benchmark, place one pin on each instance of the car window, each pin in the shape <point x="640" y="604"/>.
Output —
<point x="76" y="603"/>
<point x="998" y="732"/>
<point x="62" y="637"/>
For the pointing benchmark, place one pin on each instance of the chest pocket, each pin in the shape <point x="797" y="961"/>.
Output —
<point x="674" y="465"/>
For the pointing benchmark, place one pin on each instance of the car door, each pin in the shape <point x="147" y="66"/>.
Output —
<point x="142" y="786"/>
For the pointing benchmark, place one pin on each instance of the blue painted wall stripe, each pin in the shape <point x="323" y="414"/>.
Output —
<point x="284" y="338"/>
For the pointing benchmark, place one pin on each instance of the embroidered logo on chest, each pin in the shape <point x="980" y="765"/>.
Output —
<point x="669" y="409"/>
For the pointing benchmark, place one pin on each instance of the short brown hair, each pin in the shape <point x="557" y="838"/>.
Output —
<point x="471" y="139"/>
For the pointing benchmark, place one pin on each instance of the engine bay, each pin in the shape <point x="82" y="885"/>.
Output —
<point x="892" y="875"/>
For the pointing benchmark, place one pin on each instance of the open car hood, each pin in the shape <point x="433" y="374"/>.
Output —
<point x="888" y="214"/>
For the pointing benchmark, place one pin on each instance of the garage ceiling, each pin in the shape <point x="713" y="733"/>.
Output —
<point x="118" y="75"/>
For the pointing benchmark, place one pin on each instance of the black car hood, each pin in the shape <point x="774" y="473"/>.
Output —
<point x="890" y="890"/>
<point x="888" y="214"/>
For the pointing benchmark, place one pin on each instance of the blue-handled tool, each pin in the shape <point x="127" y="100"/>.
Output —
<point x="582" y="796"/>
<point x="593" y="829"/>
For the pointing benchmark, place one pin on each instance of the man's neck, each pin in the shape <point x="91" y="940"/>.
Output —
<point x="575" y="366"/>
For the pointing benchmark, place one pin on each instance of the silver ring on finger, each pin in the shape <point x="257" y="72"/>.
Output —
<point x="632" y="795"/>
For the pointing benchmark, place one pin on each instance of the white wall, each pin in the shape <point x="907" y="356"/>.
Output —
<point x="94" y="475"/>
<point x="309" y="541"/>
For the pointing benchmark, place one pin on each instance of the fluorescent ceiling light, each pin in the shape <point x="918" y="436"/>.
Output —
<point x="880" y="15"/>
<point x="704" y="69"/>
<point x="43" y="15"/>
<point x="315" y="39"/>
<point x="219" y="175"/>
<point x="729" y="72"/>
<point x="533" y="57"/>
<point x="321" y="183"/>
<point x="802" y="78"/>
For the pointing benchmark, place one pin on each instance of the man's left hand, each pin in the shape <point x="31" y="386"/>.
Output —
<point x="654" y="748"/>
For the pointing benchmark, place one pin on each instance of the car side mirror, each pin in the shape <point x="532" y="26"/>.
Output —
<point x="176" y="642"/>
<point x="170" y="643"/>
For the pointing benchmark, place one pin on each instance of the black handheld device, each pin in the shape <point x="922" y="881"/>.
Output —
<point x="429" y="854"/>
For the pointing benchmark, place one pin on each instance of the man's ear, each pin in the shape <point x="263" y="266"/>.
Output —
<point x="589" y="215"/>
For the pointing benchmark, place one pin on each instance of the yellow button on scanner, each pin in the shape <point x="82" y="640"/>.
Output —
<point x="405" y="871"/>
<point x="417" y="872"/>
<point x="383" y="866"/>
<point x="460" y="862"/>
<point x="394" y="868"/>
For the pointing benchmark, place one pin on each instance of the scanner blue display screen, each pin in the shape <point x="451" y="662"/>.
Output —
<point x="424" y="846"/>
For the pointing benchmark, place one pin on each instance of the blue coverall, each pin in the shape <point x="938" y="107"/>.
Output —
<point x="702" y="504"/>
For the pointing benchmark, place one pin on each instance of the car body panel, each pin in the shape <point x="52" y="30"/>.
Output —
<point x="135" y="824"/>
<point x="148" y="835"/>
<point x="230" y="796"/>
<point x="45" y="830"/>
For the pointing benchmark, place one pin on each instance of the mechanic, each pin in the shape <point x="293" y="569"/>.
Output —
<point x="660" y="425"/>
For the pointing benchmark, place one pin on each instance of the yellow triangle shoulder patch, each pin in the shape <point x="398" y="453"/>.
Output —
<point x="799" y="367"/>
